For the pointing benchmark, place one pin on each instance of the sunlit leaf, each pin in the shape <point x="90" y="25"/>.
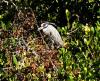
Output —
<point x="3" y="25"/>
<point x="14" y="60"/>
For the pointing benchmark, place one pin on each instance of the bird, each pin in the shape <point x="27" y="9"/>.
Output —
<point x="51" y="32"/>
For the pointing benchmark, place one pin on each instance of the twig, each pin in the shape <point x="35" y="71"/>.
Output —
<point x="54" y="67"/>
<point x="6" y="68"/>
<point x="6" y="2"/>
<point x="14" y="4"/>
<point x="72" y="31"/>
<point x="40" y="32"/>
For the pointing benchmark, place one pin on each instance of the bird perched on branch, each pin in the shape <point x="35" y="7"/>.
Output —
<point x="52" y="33"/>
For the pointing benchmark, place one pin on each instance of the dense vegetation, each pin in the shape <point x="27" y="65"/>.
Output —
<point x="23" y="54"/>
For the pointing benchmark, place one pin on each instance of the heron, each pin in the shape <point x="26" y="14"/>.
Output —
<point x="51" y="32"/>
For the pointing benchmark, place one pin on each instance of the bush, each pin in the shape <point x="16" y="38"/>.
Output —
<point x="23" y="55"/>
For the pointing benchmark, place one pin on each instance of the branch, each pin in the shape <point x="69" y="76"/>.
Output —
<point x="72" y="31"/>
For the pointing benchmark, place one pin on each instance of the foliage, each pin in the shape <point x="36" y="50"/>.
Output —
<point x="80" y="57"/>
<point x="87" y="10"/>
<point x="23" y="55"/>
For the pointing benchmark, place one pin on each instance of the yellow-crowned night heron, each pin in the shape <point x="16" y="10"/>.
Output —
<point x="50" y="30"/>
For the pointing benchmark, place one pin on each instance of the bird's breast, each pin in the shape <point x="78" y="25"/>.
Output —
<point x="46" y="31"/>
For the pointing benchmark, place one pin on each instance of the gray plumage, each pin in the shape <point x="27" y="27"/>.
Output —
<point x="49" y="30"/>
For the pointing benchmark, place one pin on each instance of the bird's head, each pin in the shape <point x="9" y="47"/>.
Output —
<point x="43" y="25"/>
<point x="46" y="24"/>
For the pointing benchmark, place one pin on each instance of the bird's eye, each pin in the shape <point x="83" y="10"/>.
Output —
<point x="44" y="25"/>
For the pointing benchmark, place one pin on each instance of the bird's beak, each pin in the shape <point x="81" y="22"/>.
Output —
<point x="40" y="28"/>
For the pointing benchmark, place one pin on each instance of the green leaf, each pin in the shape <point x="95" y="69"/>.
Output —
<point x="15" y="60"/>
<point x="87" y="42"/>
<point x="91" y="1"/>
<point x="85" y="69"/>
<point x="3" y="25"/>
<point x="8" y="25"/>
<point x="67" y="14"/>
<point x="70" y="77"/>
<point x="1" y="17"/>
<point x="92" y="29"/>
